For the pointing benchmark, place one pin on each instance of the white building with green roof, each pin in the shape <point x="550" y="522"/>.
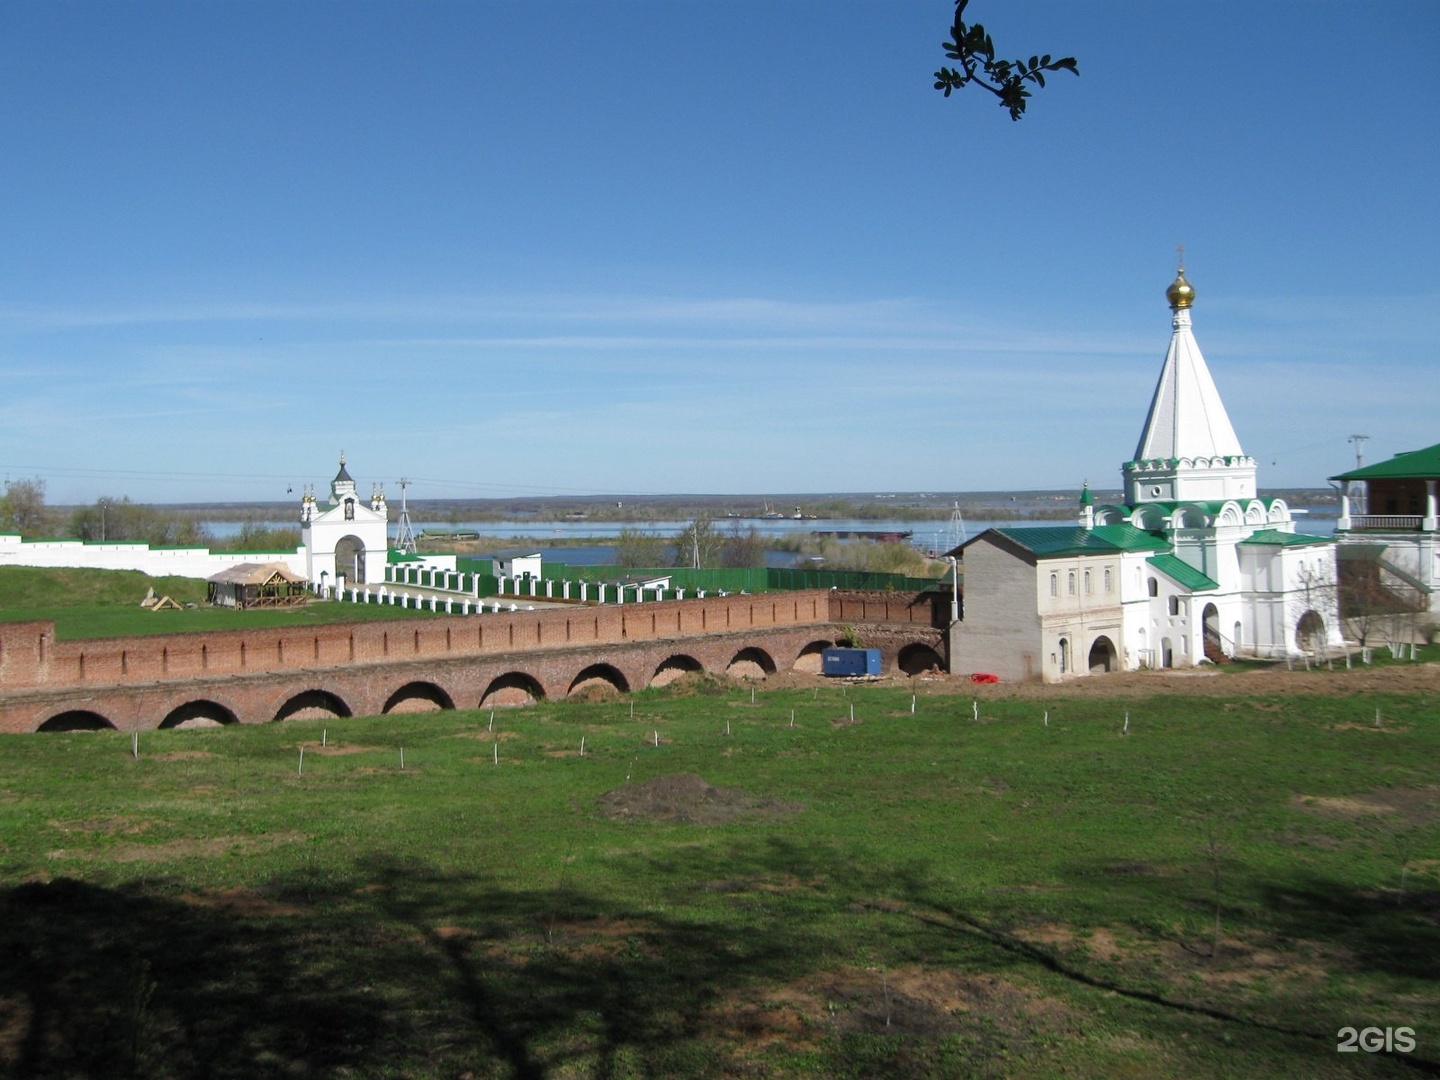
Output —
<point x="1395" y="541"/>
<point x="1195" y="564"/>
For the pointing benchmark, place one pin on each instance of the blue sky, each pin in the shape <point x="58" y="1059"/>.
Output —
<point x="558" y="248"/>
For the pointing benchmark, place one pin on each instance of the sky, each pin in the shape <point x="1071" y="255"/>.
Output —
<point x="660" y="246"/>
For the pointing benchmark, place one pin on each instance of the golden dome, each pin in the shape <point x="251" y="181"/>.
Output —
<point x="1181" y="293"/>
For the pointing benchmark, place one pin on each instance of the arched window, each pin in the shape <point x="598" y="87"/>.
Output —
<point x="1054" y="584"/>
<point x="1174" y="605"/>
<point x="1154" y="587"/>
<point x="1089" y="586"/>
<point x="1109" y="583"/>
<point x="349" y="509"/>
<point x="1070" y="582"/>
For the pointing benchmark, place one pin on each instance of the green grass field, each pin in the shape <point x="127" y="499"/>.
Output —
<point x="106" y="603"/>
<point x="901" y="895"/>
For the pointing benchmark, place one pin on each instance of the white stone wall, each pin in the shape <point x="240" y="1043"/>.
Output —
<point x="157" y="562"/>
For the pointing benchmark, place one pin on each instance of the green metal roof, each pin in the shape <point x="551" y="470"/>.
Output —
<point x="1053" y="541"/>
<point x="1179" y="570"/>
<point x="1416" y="464"/>
<point x="1276" y="538"/>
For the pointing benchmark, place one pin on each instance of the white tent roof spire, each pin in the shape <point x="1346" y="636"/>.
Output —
<point x="1187" y="419"/>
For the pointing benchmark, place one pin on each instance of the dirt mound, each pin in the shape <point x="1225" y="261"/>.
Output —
<point x="685" y="798"/>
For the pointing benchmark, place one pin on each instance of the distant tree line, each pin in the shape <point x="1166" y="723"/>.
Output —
<point x="23" y="510"/>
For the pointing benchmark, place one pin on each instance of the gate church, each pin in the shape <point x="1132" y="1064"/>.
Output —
<point x="1194" y="564"/>
<point x="346" y="544"/>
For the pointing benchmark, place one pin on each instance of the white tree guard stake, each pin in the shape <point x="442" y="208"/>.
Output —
<point x="1126" y="729"/>
<point x="752" y="695"/>
<point x="1347" y="661"/>
<point x="792" y="717"/>
<point x="492" y="721"/>
<point x="1377" y="717"/>
<point x="727" y="725"/>
<point x="582" y="745"/>
<point x="402" y="759"/>
<point x="1047" y="717"/>
<point x="975" y="709"/>
<point x="912" y="704"/>
<point x="632" y="708"/>
<point x="300" y="770"/>
<point x="495" y="746"/>
<point x="135" y="745"/>
<point x="657" y="737"/>
<point x="852" y="712"/>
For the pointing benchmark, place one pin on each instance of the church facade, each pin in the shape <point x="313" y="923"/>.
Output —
<point x="346" y="543"/>
<point x="1193" y="565"/>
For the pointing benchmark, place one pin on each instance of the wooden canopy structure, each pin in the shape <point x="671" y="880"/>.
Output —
<point x="248" y="585"/>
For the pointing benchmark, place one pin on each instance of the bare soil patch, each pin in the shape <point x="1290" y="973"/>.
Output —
<point x="106" y="826"/>
<point x="244" y="902"/>
<point x="915" y="1000"/>
<point x="1414" y="806"/>
<point x="208" y="847"/>
<point x="333" y="749"/>
<point x="686" y="798"/>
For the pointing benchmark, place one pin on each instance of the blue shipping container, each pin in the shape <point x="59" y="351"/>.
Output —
<point x="838" y="661"/>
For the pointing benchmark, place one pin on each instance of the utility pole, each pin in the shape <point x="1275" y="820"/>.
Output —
<point x="1356" y="489"/>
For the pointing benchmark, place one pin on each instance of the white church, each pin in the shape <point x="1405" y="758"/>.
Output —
<point x="1193" y="566"/>
<point x="346" y="543"/>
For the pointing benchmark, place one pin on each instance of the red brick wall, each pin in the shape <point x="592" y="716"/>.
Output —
<point x="136" y="683"/>
<point x="30" y="657"/>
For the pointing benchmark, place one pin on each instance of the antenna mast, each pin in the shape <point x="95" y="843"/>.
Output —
<point x="956" y="535"/>
<point x="405" y="536"/>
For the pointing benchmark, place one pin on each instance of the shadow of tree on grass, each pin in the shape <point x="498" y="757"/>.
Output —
<point x="397" y="969"/>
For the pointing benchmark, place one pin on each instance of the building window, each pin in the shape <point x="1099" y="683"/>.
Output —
<point x="1089" y="587"/>
<point x="1174" y="605"/>
<point x="349" y="509"/>
<point x="1154" y="587"/>
<point x="1109" y="583"/>
<point x="1070" y="582"/>
<point x="1054" y="584"/>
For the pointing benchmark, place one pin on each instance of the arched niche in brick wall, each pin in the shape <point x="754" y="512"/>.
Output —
<point x="199" y="714"/>
<point x="77" y="720"/>
<point x="313" y="705"/>
<point x="419" y="696"/>
<point x="512" y="688"/>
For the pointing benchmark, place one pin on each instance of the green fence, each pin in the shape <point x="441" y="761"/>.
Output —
<point x="747" y="579"/>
